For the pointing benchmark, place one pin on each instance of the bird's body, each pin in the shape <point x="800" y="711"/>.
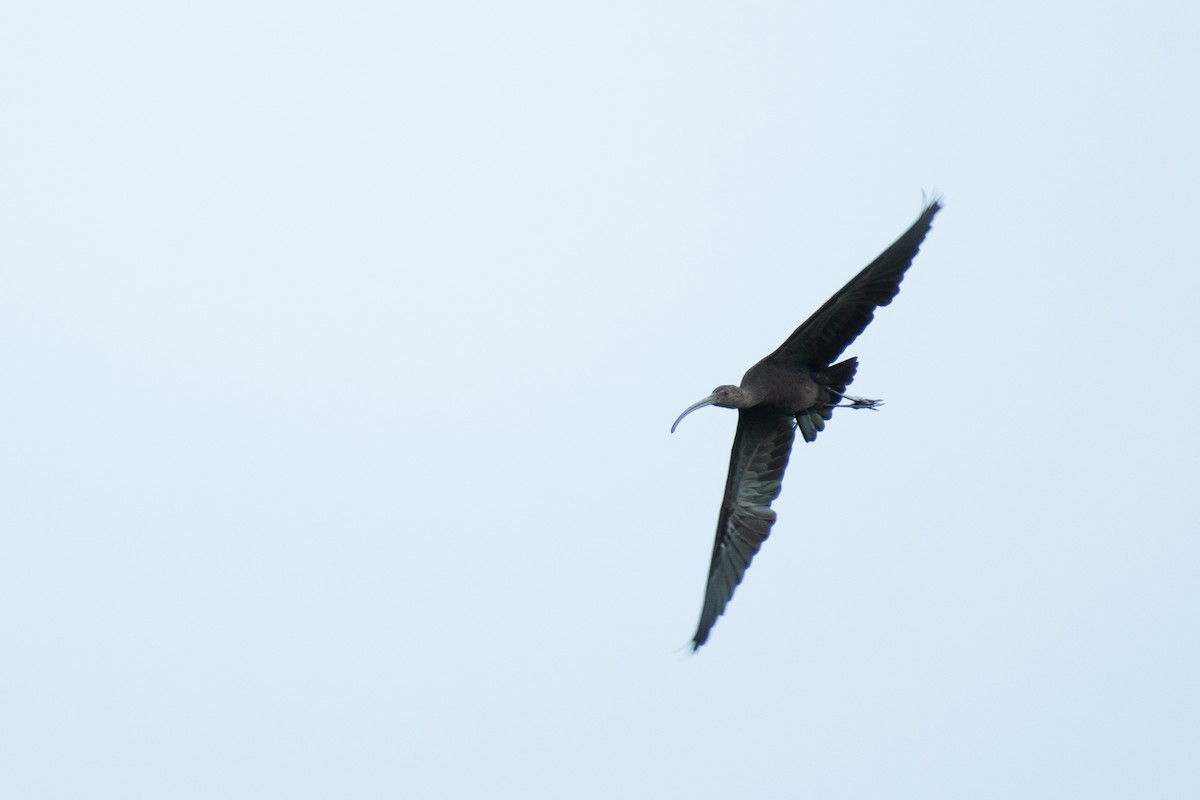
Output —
<point x="797" y="386"/>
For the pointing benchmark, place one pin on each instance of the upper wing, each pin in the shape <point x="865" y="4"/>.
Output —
<point x="760" y="455"/>
<point x="824" y="335"/>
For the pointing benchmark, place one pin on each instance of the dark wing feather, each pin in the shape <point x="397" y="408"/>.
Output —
<point x="829" y="331"/>
<point x="760" y="455"/>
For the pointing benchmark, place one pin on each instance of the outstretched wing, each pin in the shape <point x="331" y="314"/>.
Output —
<point x="824" y="335"/>
<point x="760" y="455"/>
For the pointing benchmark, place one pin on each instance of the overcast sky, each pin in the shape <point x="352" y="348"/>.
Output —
<point x="340" y="343"/>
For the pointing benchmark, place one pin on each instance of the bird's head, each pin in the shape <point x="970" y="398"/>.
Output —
<point x="727" y="396"/>
<point x="723" y="396"/>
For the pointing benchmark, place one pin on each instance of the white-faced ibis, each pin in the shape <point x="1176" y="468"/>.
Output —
<point x="797" y="386"/>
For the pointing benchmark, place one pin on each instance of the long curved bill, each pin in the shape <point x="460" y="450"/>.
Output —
<point x="708" y="401"/>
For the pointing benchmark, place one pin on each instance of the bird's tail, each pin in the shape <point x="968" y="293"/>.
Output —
<point x="841" y="375"/>
<point x="837" y="378"/>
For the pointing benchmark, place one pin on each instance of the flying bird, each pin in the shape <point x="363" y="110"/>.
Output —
<point x="797" y="386"/>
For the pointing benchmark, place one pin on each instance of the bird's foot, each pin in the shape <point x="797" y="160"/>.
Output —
<point x="856" y="402"/>
<point x="862" y="402"/>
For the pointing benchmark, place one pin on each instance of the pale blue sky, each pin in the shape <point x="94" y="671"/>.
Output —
<point x="340" y="344"/>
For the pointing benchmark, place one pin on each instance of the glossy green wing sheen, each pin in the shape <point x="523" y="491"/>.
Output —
<point x="756" y="465"/>
<point x="811" y="423"/>
<point x="824" y="335"/>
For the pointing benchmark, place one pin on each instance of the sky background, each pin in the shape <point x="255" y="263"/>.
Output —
<point x="340" y="343"/>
